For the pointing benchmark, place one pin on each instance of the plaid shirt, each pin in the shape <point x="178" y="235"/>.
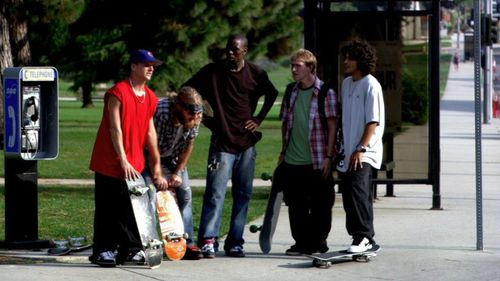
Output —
<point x="167" y="132"/>
<point x="317" y="135"/>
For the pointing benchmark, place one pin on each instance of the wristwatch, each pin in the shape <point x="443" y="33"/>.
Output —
<point x="361" y="148"/>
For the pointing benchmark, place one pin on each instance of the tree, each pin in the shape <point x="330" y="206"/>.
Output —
<point x="14" y="46"/>
<point x="90" y="40"/>
<point x="18" y="29"/>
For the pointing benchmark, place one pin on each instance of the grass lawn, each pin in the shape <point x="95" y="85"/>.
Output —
<point x="69" y="210"/>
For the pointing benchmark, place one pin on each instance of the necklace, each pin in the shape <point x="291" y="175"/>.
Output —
<point x="353" y="86"/>
<point x="139" y="95"/>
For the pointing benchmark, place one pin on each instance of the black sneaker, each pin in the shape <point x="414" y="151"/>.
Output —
<point x="104" y="259"/>
<point x="138" y="258"/>
<point x="320" y="248"/>
<point x="295" y="250"/>
<point x="323" y="249"/>
<point x="192" y="253"/>
<point x="236" y="252"/>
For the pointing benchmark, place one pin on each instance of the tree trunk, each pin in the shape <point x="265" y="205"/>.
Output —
<point x="87" y="94"/>
<point x="5" y="60"/>
<point x="19" y="32"/>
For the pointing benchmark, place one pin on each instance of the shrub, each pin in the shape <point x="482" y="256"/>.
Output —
<point x="415" y="99"/>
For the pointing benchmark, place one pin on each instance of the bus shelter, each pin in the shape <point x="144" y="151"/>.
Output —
<point x="406" y="35"/>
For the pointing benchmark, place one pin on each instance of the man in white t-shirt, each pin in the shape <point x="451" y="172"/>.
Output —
<point x="363" y="119"/>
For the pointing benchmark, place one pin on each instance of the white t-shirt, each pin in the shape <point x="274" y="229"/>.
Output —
<point x="362" y="102"/>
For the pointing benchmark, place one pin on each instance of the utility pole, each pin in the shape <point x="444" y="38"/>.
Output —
<point x="477" y="124"/>
<point x="488" y="77"/>
<point x="458" y="28"/>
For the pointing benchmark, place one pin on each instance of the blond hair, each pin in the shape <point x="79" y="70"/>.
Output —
<point x="307" y="57"/>
<point x="189" y="95"/>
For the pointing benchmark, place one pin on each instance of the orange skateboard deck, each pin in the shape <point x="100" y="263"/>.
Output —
<point x="171" y="225"/>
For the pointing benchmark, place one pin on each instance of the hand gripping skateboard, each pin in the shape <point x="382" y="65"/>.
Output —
<point x="171" y="225"/>
<point x="142" y="197"/>
<point x="272" y="213"/>
<point x="327" y="259"/>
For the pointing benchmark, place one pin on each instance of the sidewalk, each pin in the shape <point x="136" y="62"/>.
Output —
<point x="417" y="243"/>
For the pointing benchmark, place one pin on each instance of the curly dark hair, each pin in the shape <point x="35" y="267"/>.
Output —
<point x="363" y="53"/>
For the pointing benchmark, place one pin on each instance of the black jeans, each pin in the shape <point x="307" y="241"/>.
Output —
<point x="357" y="197"/>
<point x="310" y="200"/>
<point x="114" y="222"/>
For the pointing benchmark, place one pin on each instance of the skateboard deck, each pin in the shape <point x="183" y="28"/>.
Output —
<point x="271" y="216"/>
<point x="327" y="259"/>
<point x="171" y="225"/>
<point x="72" y="245"/>
<point x="142" y="197"/>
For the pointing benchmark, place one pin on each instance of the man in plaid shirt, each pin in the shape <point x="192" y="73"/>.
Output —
<point x="177" y="120"/>
<point x="306" y="157"/>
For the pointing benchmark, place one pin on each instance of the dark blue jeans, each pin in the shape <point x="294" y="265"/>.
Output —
<point x="222" y="167"/>
<point x="357" y="196"/>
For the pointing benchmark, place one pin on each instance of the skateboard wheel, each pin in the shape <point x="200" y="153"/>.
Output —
<point x="254" y="228"/>
<point x="321" y="264"/>
<point x="266" y="176"/>
<point x="361" y="258"/>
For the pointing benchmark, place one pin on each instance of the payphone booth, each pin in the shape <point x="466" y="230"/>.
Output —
<point x="31" y="113"/>
<point x="31" y="134"/>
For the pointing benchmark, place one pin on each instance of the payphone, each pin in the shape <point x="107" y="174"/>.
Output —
<point x="31" y="113"/>
<point x="31" y="133"/>
<point x="30" y="124"/>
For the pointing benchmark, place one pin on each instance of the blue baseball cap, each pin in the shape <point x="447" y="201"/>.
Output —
<point x="144" y="56"/>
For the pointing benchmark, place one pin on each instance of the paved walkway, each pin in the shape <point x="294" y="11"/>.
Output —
<point x="418" y="243"/>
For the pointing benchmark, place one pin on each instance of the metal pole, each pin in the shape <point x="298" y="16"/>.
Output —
<point x="434" y="117"/>
<point x="487" y="111"/>
<point x="458" y="28"/>
<point x="477" y="106"/>
<point x="21" y="205"/>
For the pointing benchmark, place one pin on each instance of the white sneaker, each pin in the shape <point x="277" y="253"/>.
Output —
<point x="208" y="249"/>
<point x="139" y="257"/>
<point x="360" y="246"/>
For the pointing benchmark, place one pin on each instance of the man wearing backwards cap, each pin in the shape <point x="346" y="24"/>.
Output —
<point x="126" y="129"/>
<point x="177" y="120"/>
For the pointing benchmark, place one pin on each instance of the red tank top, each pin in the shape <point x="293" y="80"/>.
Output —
<point x="135" y="117"/>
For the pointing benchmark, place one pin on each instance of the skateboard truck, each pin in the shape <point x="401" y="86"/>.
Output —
<point x="176" y="236"/>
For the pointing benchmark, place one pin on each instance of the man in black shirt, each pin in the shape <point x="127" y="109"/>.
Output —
<point x="232" y="88"/>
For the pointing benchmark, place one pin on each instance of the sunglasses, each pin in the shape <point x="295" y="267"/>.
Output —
<point x="192" y="108"/>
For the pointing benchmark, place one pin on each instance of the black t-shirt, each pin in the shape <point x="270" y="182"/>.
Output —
<point x="233" y="97"/>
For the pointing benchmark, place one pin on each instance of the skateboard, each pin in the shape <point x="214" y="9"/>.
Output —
<point x="327" y="259"/>
<point x="72" y="245"/>
<point x="142" y="197"/>
<point x="171" y="225"/>
<point x="271" y="216"/>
